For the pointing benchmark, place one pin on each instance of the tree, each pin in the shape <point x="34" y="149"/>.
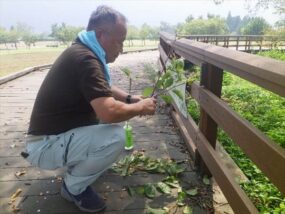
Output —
<point x="189" y="18"/>
<point x="23" y="32"/>
<point x="65" y="33"/>
<point x="154" y="33"/>
<point x="144" y="32"/>
<point x="257" y="26"/>
<point x="166" y="27"/>
<point x="133" y="33"/>
<point x="212" y="16"/>
<point x="22" y="29"/>
<point x="234" y="23"/>
<point x="13" y="36"/>
<point x="3" y="36"/>
<point x="29" y="39"/>
<point x="212" y="26"/>
<point x="278" y="5"/>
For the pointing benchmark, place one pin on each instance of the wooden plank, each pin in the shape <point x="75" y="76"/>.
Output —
<point x="236" y="197"/>
<point x="108" y="182"/>
<point x="185" y="128"/>
<point x="257" y="146"/>
<point x="119" y="202"/>
<point x="22" y="73"/>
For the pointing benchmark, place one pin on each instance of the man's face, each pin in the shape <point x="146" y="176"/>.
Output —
<point x="112" y="40"/>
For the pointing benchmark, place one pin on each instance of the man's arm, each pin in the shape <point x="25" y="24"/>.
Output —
<point x="110" y="110"/>
<point x="121" y="95"/>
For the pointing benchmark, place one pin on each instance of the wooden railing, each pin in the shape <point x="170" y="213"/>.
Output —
<point x="245" y="43"/>
<point x="201" y="140"/>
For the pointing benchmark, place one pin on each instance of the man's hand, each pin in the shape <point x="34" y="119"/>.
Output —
<point x="148" y="106"/>
<point x="110" y="110"/>
<point x="136" y="98"/>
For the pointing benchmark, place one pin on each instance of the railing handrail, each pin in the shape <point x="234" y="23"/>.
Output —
<point x="266" y="72"/>
<point x="229" y="36"/>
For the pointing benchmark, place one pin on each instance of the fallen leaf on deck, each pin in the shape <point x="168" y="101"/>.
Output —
<point x="15" y="209"/>
<point x="59" y="179"/>
<point x="20" y="173"/>
<point x="16" y="194"/>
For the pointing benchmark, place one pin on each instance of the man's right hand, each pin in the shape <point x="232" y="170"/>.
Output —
<point x="148" y="106"/>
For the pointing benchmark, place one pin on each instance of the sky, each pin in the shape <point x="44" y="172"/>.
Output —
<point x="41" y="14"/>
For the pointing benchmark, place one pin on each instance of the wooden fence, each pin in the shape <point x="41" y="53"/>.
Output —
<point x="245" y="43"/>
<point x="201" y="140"/>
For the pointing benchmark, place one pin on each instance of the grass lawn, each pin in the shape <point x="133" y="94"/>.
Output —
<point x="16" y="60"/>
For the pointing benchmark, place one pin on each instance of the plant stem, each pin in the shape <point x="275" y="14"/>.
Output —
<point x="155" y="85"/>
<point x="168" y="89"/>
<point x="130" y="85"/>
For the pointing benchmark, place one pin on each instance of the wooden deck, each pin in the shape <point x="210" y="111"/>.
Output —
<point x="156" y="136"/>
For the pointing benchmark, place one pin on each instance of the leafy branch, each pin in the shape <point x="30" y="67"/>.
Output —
<point x="168" y="81"/>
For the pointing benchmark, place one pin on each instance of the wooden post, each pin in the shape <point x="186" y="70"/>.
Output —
<point x="228" y="38"/>
<point x="211" y="79"/>
<point x="237" y="43"/>
<point x="260" y="45"/>
<point x="249" y="44"/>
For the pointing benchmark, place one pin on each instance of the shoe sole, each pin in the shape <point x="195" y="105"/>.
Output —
<point x="67" y="197"/>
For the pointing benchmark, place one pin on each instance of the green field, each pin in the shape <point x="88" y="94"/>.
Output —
<point x="12" y="60"/>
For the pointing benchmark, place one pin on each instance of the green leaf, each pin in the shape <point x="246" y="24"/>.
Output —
<point x="180" y="199"/>
<point x="140" y="190"/>
<point x="116" y="169"/>
<point x="168" y="82"/>
<point x="179" y="65"/>
<point x="154" y="211"/>
<point x="166" y="98"/>
<point x="149" y="190"/>
<point x="178" y="93"/>
<point x="187" y="210"/>
<point x="147" y="91"/>
<point x="192" y="192"/>
<point x="151" y="166"/>
<point x="206" y="180"/>
<point x="171" y="181"/>
<point x="159" y="83"/>
<point x="166" y="75"/>
<point x="173" y="185"/>
<point x="174" y="169"/>
<point x="126" y="71"/>
<point x="131" y="191"/>
<point x="162" y="187"/>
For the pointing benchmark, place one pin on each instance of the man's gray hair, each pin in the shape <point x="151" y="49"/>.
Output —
<point x="104" y="15"/>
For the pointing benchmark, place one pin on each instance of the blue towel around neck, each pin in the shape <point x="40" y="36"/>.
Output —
<point x="89" y="39"/>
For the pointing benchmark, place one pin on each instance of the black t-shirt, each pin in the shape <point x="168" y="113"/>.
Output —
<point x="63" y="101"/>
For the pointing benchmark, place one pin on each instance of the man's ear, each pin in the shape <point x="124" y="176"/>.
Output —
<point x="99" y="33"/>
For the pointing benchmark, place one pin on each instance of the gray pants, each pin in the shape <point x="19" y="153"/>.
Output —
<point x="86" y="151"/>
